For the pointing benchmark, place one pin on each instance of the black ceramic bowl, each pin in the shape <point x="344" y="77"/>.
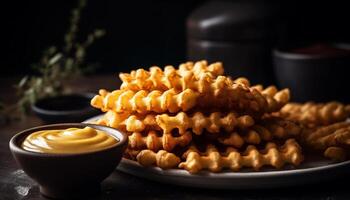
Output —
<point x="65" y="108"/>
<point x="315" y="73"/>
<point x="69" y="175"/>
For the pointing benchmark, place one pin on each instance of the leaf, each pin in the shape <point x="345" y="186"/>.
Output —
<point x="98" y="33"/>
<point x="55" y="59"/>
<point x="22" y="82"/>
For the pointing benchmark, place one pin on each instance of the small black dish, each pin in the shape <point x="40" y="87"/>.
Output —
<point x="66" y="176"/>
<point x="318" y="72"/>
<point x="65" y="108"/>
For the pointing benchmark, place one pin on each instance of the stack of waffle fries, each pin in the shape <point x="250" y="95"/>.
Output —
<point x="195" y="118"/>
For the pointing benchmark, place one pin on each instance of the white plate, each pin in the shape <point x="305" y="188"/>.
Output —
<point x="313" y="171"/>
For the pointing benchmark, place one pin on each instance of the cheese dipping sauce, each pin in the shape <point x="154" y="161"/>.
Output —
<point x="68" y="141"/>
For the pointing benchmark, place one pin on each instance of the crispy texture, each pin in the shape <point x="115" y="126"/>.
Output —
<point x="143" y="101"/>
<point x="333" y="139"/>
<point x="129" y="122"/>
<point x="237" y="140"/>
<point x="199" y="122"/>
<point x="215" y="89"/>
<point x="337" y="134"/>
<point x="162" y="159"/>
<point x="267" y="130"/>
<point x="189" y="75"/>
<point x="316" y="114"/>
<point x="337" y="154"/>
<point x="163" y="108"/>
<point x="275" y="99"/>
<point x="213" y="160"/>
<point x="154" y="142"/>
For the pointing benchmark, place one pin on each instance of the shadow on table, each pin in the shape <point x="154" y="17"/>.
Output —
<point x="130" y="187"/>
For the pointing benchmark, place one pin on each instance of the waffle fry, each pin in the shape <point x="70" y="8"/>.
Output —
<point x="162" y="109"/>
<point x="129" y="122"/>
<point x="333" y="140"/>
<point x="337" y="134"/>
<point x="227" y="92"/>
<point x="275" y="99"/>
<point x="162" y="159"/>
<point x="281" y="128"/>
<point x="269" y="129"/>
<point x="315" y="114"/>
<point x="198" y="122"/>
<point x="238" y="140"/>
<point x="200" y="67"/>
<point x="157" y="79"/>
<point x="143" y="101"/>
<point x="213" y="160"/>
<point x="154" y="142"/>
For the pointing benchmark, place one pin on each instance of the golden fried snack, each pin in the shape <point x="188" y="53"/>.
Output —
<point x="267" y="130"/>
<point x="242" y="80"/>
<point x="237" y="140"/>
<point x="314" y="114"/>
<point x="336" y="154"/>
<point x="332" y="139"/>
<point x="337" y="134"/>
<point x="235" y="96"/>
<point x="275" y="99"/>
<point x="162" y="159"/>
<point x="215" y="69"/>
<point x="131" y="153"/>
<point x="281" y="128"/>
<point x="154" y="142"/>
<point x="157" y="79"/>
<point x="129" y="122"/>
<point x="199" y="122"/>
<point x="215" y="161"/>
<point x="204" y="84"/>
<point x="143" y="101"/>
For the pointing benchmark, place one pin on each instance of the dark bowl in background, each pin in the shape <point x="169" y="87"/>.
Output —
<point x="69" y="175"/>
<point x="65" y="108"/>
<point x="314" y="73"/>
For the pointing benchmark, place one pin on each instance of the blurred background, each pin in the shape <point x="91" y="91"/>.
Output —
<point x="242" y="34"/>
<point x="142" y="33"/>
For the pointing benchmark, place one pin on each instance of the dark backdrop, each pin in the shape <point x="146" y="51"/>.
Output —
<point x="139" y="33"/>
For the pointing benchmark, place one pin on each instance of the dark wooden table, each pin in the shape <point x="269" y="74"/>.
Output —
<point x="16" y="185"/>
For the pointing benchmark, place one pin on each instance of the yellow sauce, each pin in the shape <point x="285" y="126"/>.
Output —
<point x="68" y="141"/>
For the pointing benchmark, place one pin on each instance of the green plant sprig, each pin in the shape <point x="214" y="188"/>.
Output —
<point x="55" y="67"/>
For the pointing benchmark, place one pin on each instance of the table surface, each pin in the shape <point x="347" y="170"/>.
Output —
<point x="15" y="184"/>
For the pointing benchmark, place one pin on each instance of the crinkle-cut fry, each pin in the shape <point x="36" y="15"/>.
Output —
<point x="200" y="67"/>
<point x="154" y="142"/>
<point x="281" y="128"/>
<point x="129" y="122"/>
<point x="205" y="83"/>
<point x="242" y="80"/>
<point x="314" y="114"/>
<point x="335" y="135"/>
<point x="237" y="140"/>
<point x="143" y="101"/>
<point x="162" y="159"/>
<point x="157" y="79"/>
<point x="215" y="161"/>
<point x="275" y="99"/>
<point x="257" y="134"/>
<point x="199" y="122"/>
<point x="267" y="130"/>
<point x="237" y="97"/>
